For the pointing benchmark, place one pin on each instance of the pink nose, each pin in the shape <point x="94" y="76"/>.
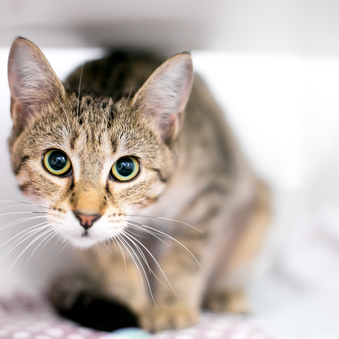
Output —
<point x="87" y="221"/>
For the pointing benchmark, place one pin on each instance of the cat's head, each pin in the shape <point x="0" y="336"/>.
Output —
<point x="93" y="161"/>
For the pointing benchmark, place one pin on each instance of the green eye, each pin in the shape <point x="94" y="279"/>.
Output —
<point x="125" y="168"/>
<point x="57" y="162"/>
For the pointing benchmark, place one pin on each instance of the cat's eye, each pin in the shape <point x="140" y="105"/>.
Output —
<point x="125" y="169"/>
<point x="57" y="162"/>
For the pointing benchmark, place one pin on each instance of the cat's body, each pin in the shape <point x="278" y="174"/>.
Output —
<point x="191" y="171"/>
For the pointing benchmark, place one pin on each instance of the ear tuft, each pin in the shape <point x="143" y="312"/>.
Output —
<point x="32" y="80"/>
<point x="164" y="96"/>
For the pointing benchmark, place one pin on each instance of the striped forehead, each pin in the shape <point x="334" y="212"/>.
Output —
<point x="89" y="149"/>
<point x="95" y="140"/>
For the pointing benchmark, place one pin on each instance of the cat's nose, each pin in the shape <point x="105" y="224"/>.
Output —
<point x="87" y="220"/>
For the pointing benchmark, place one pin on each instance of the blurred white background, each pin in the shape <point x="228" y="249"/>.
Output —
<point x="274" y="68"/>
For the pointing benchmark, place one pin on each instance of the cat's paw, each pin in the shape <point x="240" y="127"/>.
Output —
<point x="168" y="317"/>
<point x="231" y="301"/>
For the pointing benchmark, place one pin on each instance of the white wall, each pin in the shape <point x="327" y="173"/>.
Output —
<point x="302" y="27"/>
<point x="285" y="110"/>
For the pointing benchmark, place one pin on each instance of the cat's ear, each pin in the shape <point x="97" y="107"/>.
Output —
<point x="165" y="94"/>
<point x="32" y="81"/>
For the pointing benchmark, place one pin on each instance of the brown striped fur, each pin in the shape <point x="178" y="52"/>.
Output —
<point x="191" y="170"/>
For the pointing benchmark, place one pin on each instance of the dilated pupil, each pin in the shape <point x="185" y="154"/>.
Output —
<point x="57" y="161"/>
<point x="125" y="167"/>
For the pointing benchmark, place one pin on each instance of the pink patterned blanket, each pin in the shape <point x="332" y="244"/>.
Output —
<point x="24" y="317"/>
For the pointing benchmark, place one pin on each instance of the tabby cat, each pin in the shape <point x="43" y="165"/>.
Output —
<point x="134" y="156"/>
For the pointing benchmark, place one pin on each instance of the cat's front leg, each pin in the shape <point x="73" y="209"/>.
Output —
<point x="104" y="293"/>
<point x="178" y="304"/>
<point x="122" y="278"/>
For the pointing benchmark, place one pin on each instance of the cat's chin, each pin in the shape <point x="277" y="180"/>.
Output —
<point x="83" y="242"/>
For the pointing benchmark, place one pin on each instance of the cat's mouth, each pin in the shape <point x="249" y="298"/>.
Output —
<point x="84" y="240"/>
<point x="79" y="237"/>
<point x="85" y="234"/>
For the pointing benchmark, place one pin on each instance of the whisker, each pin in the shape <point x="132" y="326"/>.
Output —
<point x="16" y="222"/>
<point x="52" y="235"/>
<point x="147" y="231"/>
<point x="115" y="245"/>
<point x="79" y="93"/>
<point x="123" y="255"/>
<point x="170" y="237"/>
<point x="106" y="247"/>
<point x="142" y="267"/>
<point x="26" y="234"/>
<point x="49" y="234"/>
<point x="140" y="252"/>
<point x="26" y="212"/>
<point x="129" y="95"/>
<point x="139" y="235"/>
<point x="168" y="219"/>
<point x="122" y="243"/>
<point x="63" y="247"/>
<point x="156" y="262"/>
<point x="23" y="202"/>
<point x="19" y="256"/>
<point x="32" y="233"/>
<point x="12" y="206"/>
<point x="63" y="108"/>
<point x="97" y="249"/>
<point x="57" y="243"/>
<point x="24" y="231"/>
<point x="95" y="80"/>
